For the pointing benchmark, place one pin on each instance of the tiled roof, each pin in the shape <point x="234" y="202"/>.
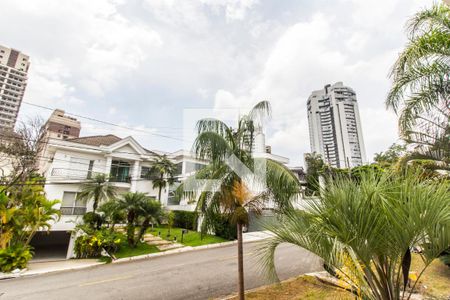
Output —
<point x="96" y="140"/>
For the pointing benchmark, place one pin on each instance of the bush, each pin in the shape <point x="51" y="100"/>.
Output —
<point x="94" y="220"/>
<point x="185" y="219"/>
<point x="91" y="245"/>
<point x="15" y="257"/>
<point x="224" y="228"/>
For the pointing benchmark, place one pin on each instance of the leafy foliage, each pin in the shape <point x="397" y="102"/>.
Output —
<point x="420" y="91"/>
<point x="93" y="243"/>
<point x="314" y="166"/>
<point x="14" y="257"/>
<point x="390" y="156"/>
<point x="364" y="230"/>
<point x="141" y="211"/>
<point x="98" y="190"/>
<point x="165" y="169"/>
<point x="185" y="219"/>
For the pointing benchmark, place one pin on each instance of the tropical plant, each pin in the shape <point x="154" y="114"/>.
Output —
<point x="150" y="213"/>
<point x="140" y="210"/>
<point x="170" y="221"/>
<point x="228" y="193"/>
<point x="364" y="231"/>
<point x="420" y="92"/>
<point x="165" y="168"/>
<point x="391" y="156"/>
<point x="92" y="243"/>
<point x="314" y="166"/>
<point x="24" y="210"/>
<point x="112" y="213"/>
<point x="14" y="257"/>
<point x="97" y="189"/>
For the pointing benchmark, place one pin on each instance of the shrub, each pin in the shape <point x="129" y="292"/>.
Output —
<point x="185" y="219"/>
<point x="15" y="257"/>
<point x="224" y="228"/>
<point x="94" y="220"/>
<point x="91" y="245"/>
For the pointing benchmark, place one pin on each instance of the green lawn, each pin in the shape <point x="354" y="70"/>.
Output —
<point x="192" y="238"/>
<point x="127" y="251"/>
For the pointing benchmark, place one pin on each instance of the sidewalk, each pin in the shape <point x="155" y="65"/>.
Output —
<point x="37" y="268"/>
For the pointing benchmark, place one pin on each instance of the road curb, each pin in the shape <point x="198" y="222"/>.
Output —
<point x="6" y="276"/>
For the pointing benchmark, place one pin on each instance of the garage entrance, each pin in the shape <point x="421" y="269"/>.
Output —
<point x="51" y="245"/>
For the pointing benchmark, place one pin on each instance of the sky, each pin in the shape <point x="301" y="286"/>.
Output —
<point x="143" y="63"/>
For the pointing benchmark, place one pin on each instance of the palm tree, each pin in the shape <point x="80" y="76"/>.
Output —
<point x="166" y="170"/>
<point x="131" y="203"/>
<point x="150" y="212"/>
<point x="420" y="91"/>
<point x="99" y="189"/>
<point x="112" y="213"/>
<point x="229" y="194"/>
<point x="364" y="231"/>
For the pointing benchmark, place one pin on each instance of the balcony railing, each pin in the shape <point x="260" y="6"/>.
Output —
<point x="73" y="174"/>
<point x="120" y="178"/>
<point x="73" y="210"/>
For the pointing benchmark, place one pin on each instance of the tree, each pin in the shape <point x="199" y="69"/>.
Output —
<point x="390" y="156"/>
<point x="420" y="91"/>
<point x="166" y="170"/>
<point x="138" y="207"/>
<point x="112" y="213"/>
<point x="314" y="166"/>
<point x="364" y="231"/>
<point x="24" y="210"/>
<point x="228" y="194"/>
<point x="20" y="151"/>
<point x="98" y="189"/>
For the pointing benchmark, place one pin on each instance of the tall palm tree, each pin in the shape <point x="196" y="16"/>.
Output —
<point x="364" y="231"/>
<point x="132" y="203"/>
<point x="165" y="168"/>
<point x="230" y="194"/>
<point x="420" y="92"/>
<point x="98" y="189"/>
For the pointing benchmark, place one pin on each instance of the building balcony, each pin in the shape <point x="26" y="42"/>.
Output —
<point x="73" y="210"/>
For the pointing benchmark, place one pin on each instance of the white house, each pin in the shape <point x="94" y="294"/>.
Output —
<point x="72" y="162"/>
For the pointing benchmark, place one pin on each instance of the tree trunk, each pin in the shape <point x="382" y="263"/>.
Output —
<point x="160" y="188"/>
<point x="143" y="229"/>
<point x="130" y="228"/>
<point x="240" y="262"/>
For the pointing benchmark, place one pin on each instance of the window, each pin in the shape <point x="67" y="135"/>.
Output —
<point x="146" y="173"/>
<point x="71" y="206"/>
<point x="120" y="171"/>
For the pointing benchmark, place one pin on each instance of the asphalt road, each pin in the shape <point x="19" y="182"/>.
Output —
<point x="200" y="274"/>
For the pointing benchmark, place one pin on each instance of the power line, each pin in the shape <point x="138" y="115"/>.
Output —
<point x="109" y="123"/>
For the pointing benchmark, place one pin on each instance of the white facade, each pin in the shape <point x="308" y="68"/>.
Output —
<point x="13" y="80"/>
<point x="335" y="126"/>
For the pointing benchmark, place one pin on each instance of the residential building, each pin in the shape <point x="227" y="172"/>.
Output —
<point x="13" y="80"/>
<point x="62" y="126"/>
<point x="335" y="126"/>
<point x="72" y="162"/>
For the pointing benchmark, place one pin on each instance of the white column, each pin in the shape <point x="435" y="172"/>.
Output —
<point x="108" y="165"/>
<point x="135" y="175"/>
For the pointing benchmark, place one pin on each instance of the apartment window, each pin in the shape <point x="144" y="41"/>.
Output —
<point x="91" y="166"/>
<point x="71" y="206"/>
<point x="120" y="171"/>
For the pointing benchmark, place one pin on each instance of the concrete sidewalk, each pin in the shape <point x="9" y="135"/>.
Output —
<point x="37" y="268"/>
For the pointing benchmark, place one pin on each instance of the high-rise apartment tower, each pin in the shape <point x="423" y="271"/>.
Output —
<point x="335" y="126"/>
<point x="13" y="80"/>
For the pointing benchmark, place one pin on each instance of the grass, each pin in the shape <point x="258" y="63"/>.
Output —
<point x="140" y="249"/>
<point x="192" y="238"/>
<point x="303" y="287"/>
<point x="434" y="284"/>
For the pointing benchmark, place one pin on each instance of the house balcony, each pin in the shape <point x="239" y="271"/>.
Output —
<point x="73" y="210"/>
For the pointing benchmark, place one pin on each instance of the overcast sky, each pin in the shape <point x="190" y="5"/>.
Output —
<point x="141" y="63"/>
